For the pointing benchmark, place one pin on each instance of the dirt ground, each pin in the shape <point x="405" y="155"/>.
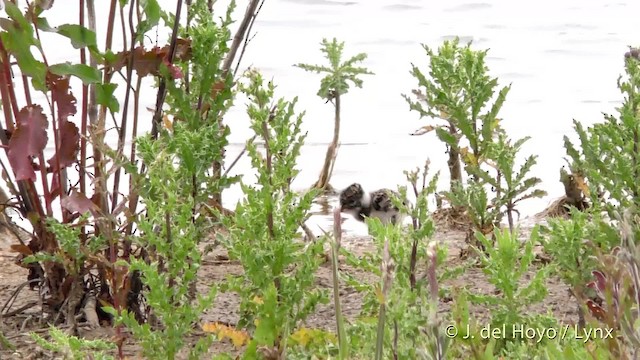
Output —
<point x="16" y="327"/>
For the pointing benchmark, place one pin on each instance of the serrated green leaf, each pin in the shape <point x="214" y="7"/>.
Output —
<point x="446" y="136"/>
<point x="105" y="97"/>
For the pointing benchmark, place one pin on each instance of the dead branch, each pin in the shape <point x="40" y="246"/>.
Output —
<point x="249" y="17"/>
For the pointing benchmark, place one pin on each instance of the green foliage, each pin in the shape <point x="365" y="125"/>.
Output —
<point x="176" y="185"/>
<point x="608" y="154"/>
<point x="505" y="264"/>
<point x="403" y="299"/>
<point x="5" y="343"/>
<point x="587" y="246"/>
<point x="72" y="347"/>
<point x="457" y="91"/>
<point x="172" y="235"/>
<point x="571" y="243"/>
<point x="277" y="286"/>
<point x="86" y="73"/>
<point x="338" y="73"/>
<point x="510" y="185"/>
<point x="72" y="253"/>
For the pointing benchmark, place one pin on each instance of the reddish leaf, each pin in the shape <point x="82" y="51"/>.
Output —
<point x="78" y="202"/>
<point x="596" y="310"/>
<point x="600" y="280"/>
<point x="217" y="88"/>
<point x="69" y="145"/>
<point x="29" y="139"/>
<point x="95" y="199"/>
<point x="62" y="96"/>
<point x="147" y="62"/>
<point x="175" y="71"/>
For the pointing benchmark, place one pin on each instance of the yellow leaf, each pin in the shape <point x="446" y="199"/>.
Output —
<point x="302" y="336"/>
<point x="238" y="337"/>
<point x="258" y="300"/>
<point x="468" y="157"/>
<point x="167" y="123"/>
<point x="211" y="327"/>
<point x="423" y="130"/>
<point x="305" y="337"/>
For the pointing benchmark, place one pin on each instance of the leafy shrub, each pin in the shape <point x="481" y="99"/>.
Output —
<point x="277" y="287"/>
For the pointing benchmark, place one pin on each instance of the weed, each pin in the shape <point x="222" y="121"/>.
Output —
<point x="277" y="287"/>
<point x="332" y="87"/>
<point x="72" y="347"/>
<point x="505" y="265"/>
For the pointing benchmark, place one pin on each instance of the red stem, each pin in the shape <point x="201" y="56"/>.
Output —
<point x="125" y="109"/>
<point x="162" y="88"/>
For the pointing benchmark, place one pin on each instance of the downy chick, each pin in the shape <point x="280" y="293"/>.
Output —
<point x="357" y="202"/>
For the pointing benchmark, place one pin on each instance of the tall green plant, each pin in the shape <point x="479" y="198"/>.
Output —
<point x="333" y="86"/>
<point x="505" y="264"/>
<point x="175" y="186"/>
<point x="458" y="90"/>
<point x="608" y="153"/>
<point x="405" y="300"/>
<point x="509" y="185"/>
<point x="277" y="287"/>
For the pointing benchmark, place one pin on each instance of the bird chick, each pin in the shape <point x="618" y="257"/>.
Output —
<point x="357" y="202"/>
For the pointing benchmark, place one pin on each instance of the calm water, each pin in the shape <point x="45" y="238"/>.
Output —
<point x="562" y="57"/>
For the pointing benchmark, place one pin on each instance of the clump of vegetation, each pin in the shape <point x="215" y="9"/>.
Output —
<point x="277" y="288"/>
<point x="104" y="254"/>
<point x="399" y="317"/>
<point x="459" y="91"/>
<point x="333" y="86"/>
<point x="72" y="347"/>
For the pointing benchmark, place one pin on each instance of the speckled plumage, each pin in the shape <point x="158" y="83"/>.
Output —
<point x="355" y="201"/>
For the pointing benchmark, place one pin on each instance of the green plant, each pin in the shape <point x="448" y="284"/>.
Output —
<point x="277" y="286"/>
<point x="509" y="185"/>
<point x="460" y="92"/>
<point x="607" y="157"/>
<point x="609" y="152"/>
<point x="171" y="238"/>
<point x="614" y="300"/>
<point x="399" y="313"/>
<point x="174" y="187"/>
<point x="457" y="91"/>
<point x="105" y="241"/>
<point x="72" y="347"/>
<point x="5" y="343"/>
<point x="572" y="245"/>
<point x="333" y="86"/>
<point x="505" y="264"/>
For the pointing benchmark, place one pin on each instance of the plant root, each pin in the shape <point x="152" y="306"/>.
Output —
<point x="560" y="208"/>
<point x="452" y="218"/>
